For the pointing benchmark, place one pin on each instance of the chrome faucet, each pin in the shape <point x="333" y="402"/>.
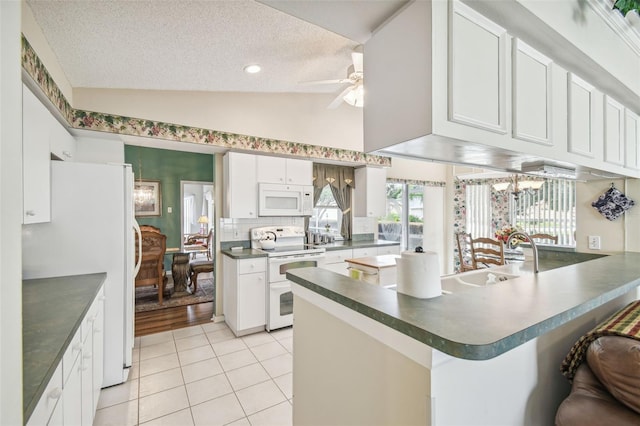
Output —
<point x="533" y="247"/>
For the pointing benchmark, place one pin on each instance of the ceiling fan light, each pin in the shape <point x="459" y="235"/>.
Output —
<point x="355" y="97"/>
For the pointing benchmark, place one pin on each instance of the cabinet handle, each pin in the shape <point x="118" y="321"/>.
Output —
<point x="101" y="298"/>
<point x="30" y="213"/>
<point x="77" y="347"/>
<point x="97" y="330"/>
<point x="67" y="154"/>
<point x="55" y="393"/>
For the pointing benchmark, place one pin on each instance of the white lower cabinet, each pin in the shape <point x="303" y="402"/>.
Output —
<point x="49" y="408"/>
<point x="335" y="260"/>
<point x="71" y="396"/>
<point x="245" y="288"/>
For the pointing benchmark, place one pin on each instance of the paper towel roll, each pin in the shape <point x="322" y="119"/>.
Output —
<point x="419" y="274"/>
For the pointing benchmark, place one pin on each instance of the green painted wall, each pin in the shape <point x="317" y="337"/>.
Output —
<point x="169" y="167"/>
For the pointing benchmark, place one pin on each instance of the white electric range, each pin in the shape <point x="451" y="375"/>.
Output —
<point x="290" y="252"/>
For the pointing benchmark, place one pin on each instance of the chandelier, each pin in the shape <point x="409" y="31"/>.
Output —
<point x="518" y="187"/>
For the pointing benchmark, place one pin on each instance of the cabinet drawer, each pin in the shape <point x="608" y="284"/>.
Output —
<point x="338" y="256"/>
<point x="365" y="252"/>
<point x="50" y="397"/>
<point x="249" y="266"/>
<point x="389" y="250"/>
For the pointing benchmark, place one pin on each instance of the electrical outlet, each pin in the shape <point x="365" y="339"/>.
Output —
<point x="594" y="242"/>
<point x="236" y="233"/>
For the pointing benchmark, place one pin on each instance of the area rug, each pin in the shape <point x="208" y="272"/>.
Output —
<point x="147" y="297"/>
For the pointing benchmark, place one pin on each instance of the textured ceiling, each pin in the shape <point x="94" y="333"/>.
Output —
<point x="194" y="45"/>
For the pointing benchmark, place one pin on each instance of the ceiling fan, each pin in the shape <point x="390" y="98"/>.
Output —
<point x="354" y="94"/>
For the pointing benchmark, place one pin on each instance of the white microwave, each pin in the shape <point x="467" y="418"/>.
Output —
<point x="285" y="200"/>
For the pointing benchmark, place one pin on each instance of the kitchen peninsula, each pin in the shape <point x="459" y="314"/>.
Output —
<point x="479" y="355"/>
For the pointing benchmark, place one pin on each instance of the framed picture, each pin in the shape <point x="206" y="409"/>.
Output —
<point x="147" y="198"/>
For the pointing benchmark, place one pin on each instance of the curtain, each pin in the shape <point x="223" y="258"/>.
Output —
<point x="341" y="181"/>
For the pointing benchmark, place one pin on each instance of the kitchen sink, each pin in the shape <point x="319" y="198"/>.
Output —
<point x="482" y="277"/>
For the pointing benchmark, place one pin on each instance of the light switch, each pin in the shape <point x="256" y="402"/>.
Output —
<point x="169" y="210"/>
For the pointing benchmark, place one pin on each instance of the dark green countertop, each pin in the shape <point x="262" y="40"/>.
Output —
<point x="52" y="311"/>
<point x="483" y="322"/>
<point x="248" y="253"/>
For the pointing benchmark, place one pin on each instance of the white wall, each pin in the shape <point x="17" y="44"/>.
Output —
<point x="590" y="222"/>
<point x="402" y="168"/>
<point x="302" y="118"/>
<point x="10" y="215"/>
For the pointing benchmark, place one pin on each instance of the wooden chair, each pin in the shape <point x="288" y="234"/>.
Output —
<point x="545" y="237"/>
<point x="202" y="266"/>
<point x="149" y="228"/>
<point x="463" y="240"/>
<point x="154" y="246"/>
<point x="487" y="251"/>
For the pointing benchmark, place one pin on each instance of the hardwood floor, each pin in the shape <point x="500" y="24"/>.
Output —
<point x="172" y="318"/>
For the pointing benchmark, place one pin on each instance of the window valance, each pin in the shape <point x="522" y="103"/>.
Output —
<point x="337" y="176"/>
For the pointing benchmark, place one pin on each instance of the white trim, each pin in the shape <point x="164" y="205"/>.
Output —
<point x="621" y="25"/>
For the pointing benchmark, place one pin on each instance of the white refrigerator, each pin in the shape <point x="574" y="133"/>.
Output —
<point x="91" y="230"/>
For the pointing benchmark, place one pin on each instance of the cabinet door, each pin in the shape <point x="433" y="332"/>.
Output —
<point x="61" y="142"/>
<point x="271" y="169"/>
<point x="72" y="395"/>
<point x="241" y="190"/>
<point x="98" y="350"/>
<point x="230" y="287"/>
<point x="477" y="58"/>
<point x="49" y="406"/>
<point x="580" y="118"/>
<point x="613" y="131"/>
<point x="531" y="80"/>
<point x="36" y="159"/>
<point x="251" y="300"/>
<point x="370" y="193"/>
<point x="299" y="172"/>
<point x="86" y="382"/>
<point x="632" y="140"/>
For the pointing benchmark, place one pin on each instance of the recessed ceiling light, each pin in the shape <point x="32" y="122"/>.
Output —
<point x="252" y="69"/>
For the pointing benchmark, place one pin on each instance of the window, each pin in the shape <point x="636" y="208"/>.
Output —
<point x="549" y="210"/>
<point x="326" y="214"/>
<point x="405" y="213"/>
<point x="478" y="217"/>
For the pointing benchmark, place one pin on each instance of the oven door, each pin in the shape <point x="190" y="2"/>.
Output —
<point x="280" y="309"/>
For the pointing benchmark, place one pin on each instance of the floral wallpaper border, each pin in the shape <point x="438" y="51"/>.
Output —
<point x="417" y="182"/>
<point x="102" y="122"/>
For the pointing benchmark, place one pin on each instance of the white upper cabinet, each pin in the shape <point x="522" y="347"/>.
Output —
<point x="370" y="193"/>
<point x="632" y="140"/>
<point x="473" y="93"/>
<point x="36" y="159"/>
<point x="284" y="170"/>
<point x="477" y="85"/>
<point x="61" y="142"/>
<point x="613" y="131"/>
<point x="580" y="116"/>
<point x="240" y="186"/>
<point x="531" y="94"/>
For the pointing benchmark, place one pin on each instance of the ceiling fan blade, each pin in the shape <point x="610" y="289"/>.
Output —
<point x="338" y="100"/>
<point x="356" y="57"/>
<point x="316" y="82"/>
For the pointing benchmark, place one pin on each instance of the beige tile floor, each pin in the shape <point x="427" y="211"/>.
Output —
<point x="204" y="375"/>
